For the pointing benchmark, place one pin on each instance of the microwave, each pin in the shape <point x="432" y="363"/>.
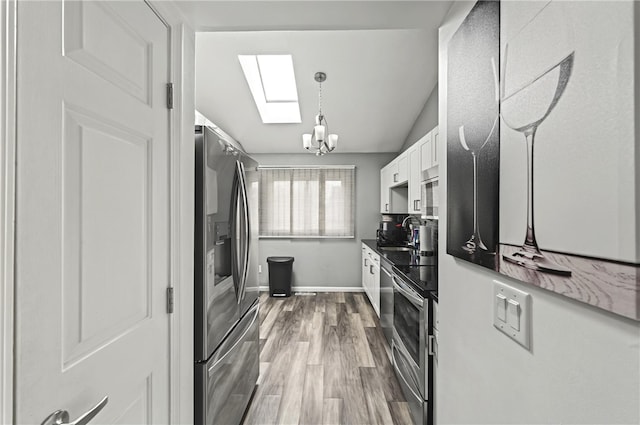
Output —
<point x="429" y="197"/>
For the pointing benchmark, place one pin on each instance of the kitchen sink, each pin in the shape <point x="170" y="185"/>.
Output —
<point x="395" y="248"/>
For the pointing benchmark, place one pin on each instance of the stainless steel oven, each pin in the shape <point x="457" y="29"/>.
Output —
<point x="410" y="346"/>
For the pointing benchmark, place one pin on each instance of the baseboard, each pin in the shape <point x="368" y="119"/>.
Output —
<point x="319" y="288"/>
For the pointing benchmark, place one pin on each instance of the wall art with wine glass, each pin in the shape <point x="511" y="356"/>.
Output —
<point x="541" y="147"/>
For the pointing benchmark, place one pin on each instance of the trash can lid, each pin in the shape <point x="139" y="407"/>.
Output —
<point x="280" y="259"/>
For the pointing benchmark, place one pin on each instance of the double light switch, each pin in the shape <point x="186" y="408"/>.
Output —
<point x="512" y="312"/>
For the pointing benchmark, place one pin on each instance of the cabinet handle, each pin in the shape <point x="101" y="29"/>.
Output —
<point x="416" y="205"/>
<point x="365" y="263"/>
<point x="386" y="207"/>
<point x="395" y="177"/>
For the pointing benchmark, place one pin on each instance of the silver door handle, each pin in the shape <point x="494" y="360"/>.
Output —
<point x="61" y="417"/>
<point x="410" y="294"/>
<point x="246" y="232"/>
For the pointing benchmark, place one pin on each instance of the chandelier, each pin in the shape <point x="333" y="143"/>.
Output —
<point x="320" y="141"/>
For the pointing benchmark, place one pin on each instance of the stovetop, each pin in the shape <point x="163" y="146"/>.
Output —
<point x="423" y="276"/>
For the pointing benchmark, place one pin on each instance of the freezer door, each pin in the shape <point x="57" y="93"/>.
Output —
<point x="225" y="383"/>
<point x="215" y="300"/>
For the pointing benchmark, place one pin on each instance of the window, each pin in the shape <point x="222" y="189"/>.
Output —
<point x="307" y="202"/>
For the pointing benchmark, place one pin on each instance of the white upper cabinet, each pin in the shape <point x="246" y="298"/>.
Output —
<point x="435" y="137"/>
<point x="385" y="186"/>
<point x="403" y="169"/>
<point x="393" y="185"/>
<point x="401" y="179"/>
<point x="415" y="177"/>
<point x="426" y="151"/>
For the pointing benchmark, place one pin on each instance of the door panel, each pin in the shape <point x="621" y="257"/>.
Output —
<point x="94" y="276"/>
<point x="123" y="58"/>
<point x="93" y="200"/>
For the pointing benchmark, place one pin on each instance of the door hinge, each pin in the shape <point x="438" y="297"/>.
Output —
<point x="170" y="95"/>
<point x="169" y="300"/>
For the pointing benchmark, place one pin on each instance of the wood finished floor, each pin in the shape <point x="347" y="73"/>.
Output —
<point x="324" y="360"/>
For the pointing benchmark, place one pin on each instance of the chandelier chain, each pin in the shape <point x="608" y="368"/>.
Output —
<point x="320" y="98"/>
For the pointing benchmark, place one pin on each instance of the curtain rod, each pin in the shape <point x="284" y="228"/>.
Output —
<point x="304" y="167"/>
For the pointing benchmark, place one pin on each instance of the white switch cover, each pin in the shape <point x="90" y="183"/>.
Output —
<point x="518" y="314"/>
<point x="501" y="307"/>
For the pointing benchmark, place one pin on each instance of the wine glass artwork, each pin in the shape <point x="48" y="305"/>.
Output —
<point x="524" y="107"/>
<point x="474" y="144"/>
<point x="475" y="241"/>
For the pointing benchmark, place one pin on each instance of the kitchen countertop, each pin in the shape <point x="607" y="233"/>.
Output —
<point x="397" y="258"/>
<point x="421" y="270"/>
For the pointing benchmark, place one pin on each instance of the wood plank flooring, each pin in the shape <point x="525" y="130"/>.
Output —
<point x="324" y="360"/>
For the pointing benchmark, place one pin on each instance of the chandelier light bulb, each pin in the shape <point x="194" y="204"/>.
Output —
<point x="319" y="130"/>
<point x="306" y="141"/>
<point x="333" y="141"/>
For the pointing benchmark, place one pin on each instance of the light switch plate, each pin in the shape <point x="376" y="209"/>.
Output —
<point x="518" y="317"/>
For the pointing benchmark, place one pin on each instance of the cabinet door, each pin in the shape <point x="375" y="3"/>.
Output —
<point x="415" y="176"/>
<point x="365" y="267"/>
<point x="384" y="190"/>
<point x="435" y="136"/>
<point x="375" y="288"/>
<point x="403" y="168"/>
<point x="426" y="151"/>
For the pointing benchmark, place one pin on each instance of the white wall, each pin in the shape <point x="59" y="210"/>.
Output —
<point x="330" y="263"/>
<point x="425" y="122"/>
<point x="584" y="364"/>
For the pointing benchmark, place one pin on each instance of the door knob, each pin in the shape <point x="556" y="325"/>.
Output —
<point x="61" y="417"/>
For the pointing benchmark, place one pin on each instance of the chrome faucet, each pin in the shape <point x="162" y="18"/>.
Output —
<point x="404" y="223"/>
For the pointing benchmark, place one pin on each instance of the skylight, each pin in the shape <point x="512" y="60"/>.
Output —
<point x="273" y="85"/>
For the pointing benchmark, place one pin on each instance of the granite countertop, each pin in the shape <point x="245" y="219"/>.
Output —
<point x="421" y="270"/>
<point x="395" y="257"/>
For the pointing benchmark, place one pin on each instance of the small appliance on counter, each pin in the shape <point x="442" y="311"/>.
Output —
<point x="391" y="232"/>
<point x="429" y="237"/>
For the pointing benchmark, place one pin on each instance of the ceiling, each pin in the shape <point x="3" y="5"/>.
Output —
<point x="380" y="57"/>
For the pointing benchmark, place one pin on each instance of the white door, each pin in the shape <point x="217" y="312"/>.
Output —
<point x="92" y="257"/>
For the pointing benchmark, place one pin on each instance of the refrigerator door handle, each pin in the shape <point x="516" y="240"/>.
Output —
<point x="234" y="216"/>
<point x="243" y="238"/>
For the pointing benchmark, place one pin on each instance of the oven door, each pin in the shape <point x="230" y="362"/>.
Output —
<point x="410" y="313"/>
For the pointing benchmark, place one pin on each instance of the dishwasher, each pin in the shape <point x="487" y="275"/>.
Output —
<point x="386" y="299"/>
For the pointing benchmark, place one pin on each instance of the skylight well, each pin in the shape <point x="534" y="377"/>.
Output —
<point x="273" y="85"/>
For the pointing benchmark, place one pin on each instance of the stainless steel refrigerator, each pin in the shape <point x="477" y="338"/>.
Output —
<point x="226" y="278"/>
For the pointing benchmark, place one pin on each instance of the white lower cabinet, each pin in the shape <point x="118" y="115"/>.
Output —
<point x="371" y="276"/>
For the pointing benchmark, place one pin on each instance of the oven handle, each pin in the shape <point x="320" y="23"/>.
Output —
<point x="411" y="295"/>
<point x="395" y="350"/>
<point x="385" y="270"/>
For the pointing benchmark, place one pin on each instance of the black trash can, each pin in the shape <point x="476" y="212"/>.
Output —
<point x="280" y="271"/>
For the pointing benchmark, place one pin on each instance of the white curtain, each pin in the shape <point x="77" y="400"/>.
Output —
<point x="307" y="202"/>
